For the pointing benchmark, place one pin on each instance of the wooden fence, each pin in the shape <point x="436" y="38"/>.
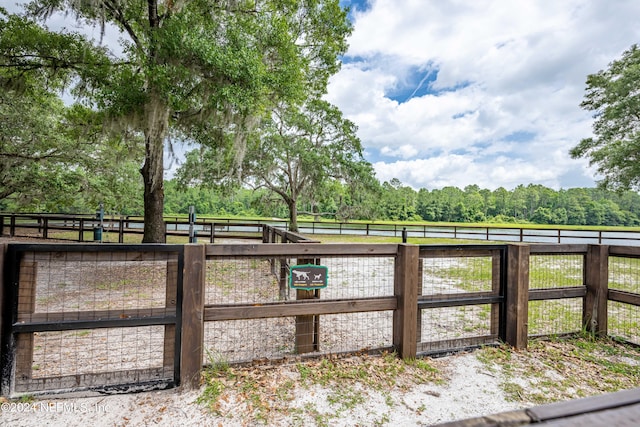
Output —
<point x="82" y="229"/>
<point x="135" y="316"/>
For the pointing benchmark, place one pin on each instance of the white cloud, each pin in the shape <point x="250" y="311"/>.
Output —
<point x="504" y="109"/>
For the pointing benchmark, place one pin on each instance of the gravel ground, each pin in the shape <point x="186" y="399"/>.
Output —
<point x="467" y="391"/>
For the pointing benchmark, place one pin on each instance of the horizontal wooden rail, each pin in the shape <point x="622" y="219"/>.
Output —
<point x="557" y="249"/>
<point x="625" y="297"/>
<point x="90" y="316"/>
<point x="437" y="347"/>
<point x="100" y="380"/>
<point x="301" y="250"/>
<point x="457" y="300"/>
<point x="557" y="293"/>
<point x="298" y="308"/>
<point x="70" y="325"/>
<point x="625" y="251"/>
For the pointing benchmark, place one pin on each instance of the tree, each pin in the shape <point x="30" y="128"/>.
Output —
<point x="297" y="150"/>
<point x="53" y="157"/>
<point x="196" y="70"/>
<point x="613" y="95"/>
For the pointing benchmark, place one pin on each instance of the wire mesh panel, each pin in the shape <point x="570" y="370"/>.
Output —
<point x="624" y="319"/>
<point x="555" y="317"/>
<point x="241" y="281"/>
<point x="556" y="271"/>
<point x="460" y="298"/>
<point x="457" y="275"/>
<point x="450" y="328"/>
<point x="93" y="317"/>
<point x="553" y="272"/>
<point x="62" y="358"/>
<point x="238" y="341"/>
<point x="624" y="274"/>
<point x="255" y="281"/>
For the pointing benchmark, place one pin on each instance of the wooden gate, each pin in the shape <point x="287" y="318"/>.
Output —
<point x="91" y="317"/>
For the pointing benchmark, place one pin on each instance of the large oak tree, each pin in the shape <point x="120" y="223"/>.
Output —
<point x="193" y="70"/>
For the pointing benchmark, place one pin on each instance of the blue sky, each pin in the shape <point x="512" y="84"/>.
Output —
<point x="484" y="92"/>
<point x="461" y="92"/>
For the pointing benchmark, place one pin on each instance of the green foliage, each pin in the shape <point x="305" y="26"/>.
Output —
<point x="204" y="72"/>
<point x="310" y="150"/>
<point x="613" y="96"/>
<point x="533" y="203"/>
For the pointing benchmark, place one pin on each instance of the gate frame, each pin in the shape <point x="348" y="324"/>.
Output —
<point x="9" y="327"/>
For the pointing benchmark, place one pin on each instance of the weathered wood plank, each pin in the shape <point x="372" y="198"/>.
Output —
<point x="95" y="315"/>
<point x="307" y="326"/>
<point x="585" y="405"/>
<point x="455" y="252"/>
<point x="298" y="308"/>
<point x="457" y="300"/>
<point x="550" y="249"/>
<point x="517" y="296"/>
<point x="102" y="256"/>
<point x="624" y="297"/>
<point x="171" y="297"/>
<point x="495" y="289"/>
<point x="557" y="293"/>
<point x="405" y="317"/>
<point x="630" y="251"/>
<point x="97" y="380"/>
<point x="26" y="304"/>
<point x="301" y="250"/>
<point x="192" y="333"/>
<point x="427" y="347"/>
<point x="596" y="276"/>
<point x="3" y="315"/>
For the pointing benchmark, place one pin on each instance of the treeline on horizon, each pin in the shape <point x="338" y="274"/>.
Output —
<point x="391" y="201"/>
<point x="396" y="202"/>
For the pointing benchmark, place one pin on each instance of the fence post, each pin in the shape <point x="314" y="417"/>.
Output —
<point x="192" y="334"/>
<point x="5" y="315"/>
<point x="171" y="298"/>
<point x="307" y="326"/>
<point x="596" y="278"/>
<point x="405" y="317"/>
<point x="517" y="296"/>
<point x="121" y="230"/>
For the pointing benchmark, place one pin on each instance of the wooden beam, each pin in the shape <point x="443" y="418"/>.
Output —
<point x="557" y="293"/>
<point x="87" y="381"/>
<point x="596" y="274"/>
<point x="26" y="304"/>
<point x="96" y="315"/>
<point x="624" y="297"/>
<point x="298" y="308"/>
<point x="517" y="296"/>
<point x="546" y="249"/>
<point x="308" y="325"/>
<point x="192" y="333"/>
<point x="301" y="250"/>
<point x="630" y="251"/>
<point x="405" y="317"/>
<point x="427" y="347"/>
<point x="171" y="298"/>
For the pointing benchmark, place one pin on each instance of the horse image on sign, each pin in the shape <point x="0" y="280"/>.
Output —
<point x="308" y="277"/>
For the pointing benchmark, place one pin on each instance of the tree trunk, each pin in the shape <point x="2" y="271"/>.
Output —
<point x="157" y="117"/>
<point x="293" y="215"/>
